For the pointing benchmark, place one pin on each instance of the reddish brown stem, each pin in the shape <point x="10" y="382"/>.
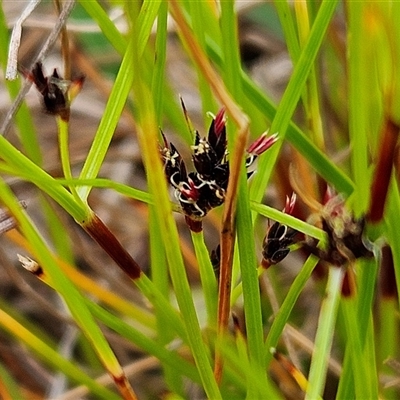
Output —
<point x="383" y="170"/>
<point x="387" y="278"/>
<point x="227" y="246"/>
<point x="125" y="387"/>
<point x="241" y="121"/>
<point x="194" y="225"/>
<point x="96" y="228"/>
<point x="224" y="291"/>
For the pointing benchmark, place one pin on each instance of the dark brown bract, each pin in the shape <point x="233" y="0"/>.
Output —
<point x="346" y="241"/>
<point x="279" y="237"/>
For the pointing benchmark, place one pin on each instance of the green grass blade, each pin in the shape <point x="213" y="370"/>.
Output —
<point x="104" y="183"/>
<point x="289" y="220"/>
<point x="51" y="356"/>
<point x="110" y="31"/>
<point x="148" y="134"/>
<point x="63" y="138"/>
<point x="310" y="96"/>
<point x="207" y="276"/>
<point x="198" y="13"/>
<point x="108" y="123"/>
<point x="70" y="294"/>
<point x="325" y="332"/>
<point x="354" y="347"/>
<point x="118" y="97"/>
<point x="346" y="388"/>
<point x="146" y="343"/>
<point x="23" y="166"/>
<point x="286" y="308"/>
<point x="246" y="246"/>
<point x="291" y="96"/>
<point x="289" y="29"/>
<point x="159" y="270"/>
<point x="359" y="88"/>
<point x="158" y="81"/>
<point x="160" y="278"/>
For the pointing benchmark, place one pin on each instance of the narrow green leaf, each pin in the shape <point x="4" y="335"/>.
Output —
<point x="359" y="87"/>
<point x="289" y="220"/>
<point x="324" y="335"/>
<point x="118" y="97"/>
<point x="207" y="276"/>
<point x="41" y="179"/>
<point x="52" y="357"/>
<point x="248" y="262"/>
<point x="291" y="96"/>
<point x="287" y="306"/>
<point x="70" y="294"/>
<point x="110" y="31"/>
<point x="148" y="134"/>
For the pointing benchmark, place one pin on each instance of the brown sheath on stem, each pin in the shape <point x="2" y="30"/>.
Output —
<point x="349" y="284"/>
<point x="387" y="277"/>
<point x="383" y="170"/>
<point x="124" y="387"/>
<point x="96" y="228"/>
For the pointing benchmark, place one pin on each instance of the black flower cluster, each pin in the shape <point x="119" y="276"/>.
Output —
<point x="201" y="190"/>
<point x="279" y="238"/>
<point x="276" y="243"/>
<point x="345" y="234"/>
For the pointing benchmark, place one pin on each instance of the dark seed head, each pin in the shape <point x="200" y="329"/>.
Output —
<point x="346" y="240"/>
<point x="54" y="90"/>
<point x="277" y="241"/>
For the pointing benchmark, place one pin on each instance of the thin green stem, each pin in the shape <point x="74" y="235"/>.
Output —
<point x="148" y="135"/>
<point x="63" y="138"/>
<point x="359" y="83"/>
<point x="207" y="276"/>
<point x="198" y="14"/>
<point x="246" y="246"/>
<point x="158" y="81"/>
<point x="118" y="97"/>
<point x="310" y="95"/>
<point x="291" y="96"/>
<point x="325" y="332"/>
<point x="286" y="308"/>
<point x="25" y="167"/>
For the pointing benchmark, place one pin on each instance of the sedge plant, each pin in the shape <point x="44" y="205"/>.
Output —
<point x="234" y="298"/>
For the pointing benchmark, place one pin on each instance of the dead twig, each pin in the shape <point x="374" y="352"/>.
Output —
<point x="12" y="64"/>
